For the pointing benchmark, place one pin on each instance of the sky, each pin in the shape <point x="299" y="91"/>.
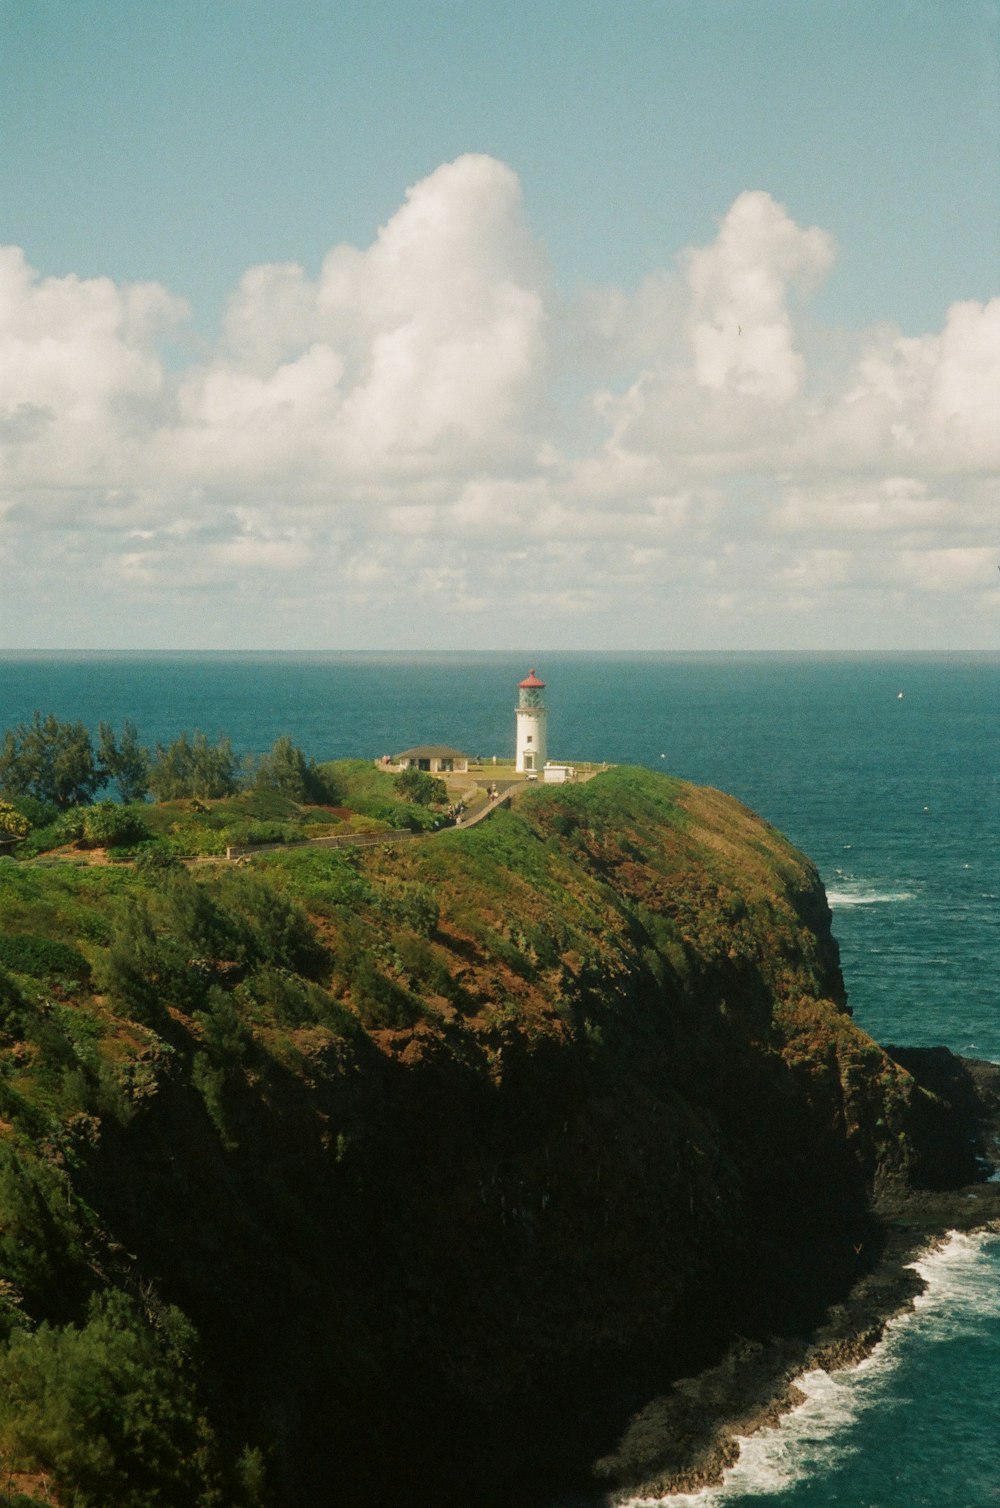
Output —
<point x="571" y="324"/>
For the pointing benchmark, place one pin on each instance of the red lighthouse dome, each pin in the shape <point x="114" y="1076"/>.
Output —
<point x="530" y="682"/>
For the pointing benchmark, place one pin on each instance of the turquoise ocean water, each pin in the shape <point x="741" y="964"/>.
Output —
<point x="885" y="770"/>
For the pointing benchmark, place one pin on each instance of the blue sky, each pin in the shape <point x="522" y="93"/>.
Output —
<point x="579" y="449"/>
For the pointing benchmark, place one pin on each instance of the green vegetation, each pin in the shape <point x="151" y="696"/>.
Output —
<point x="41" y="957"/>
<point x="111" y="1407"/>
<point x="374" y="793"/>
<point x="286" y="771"/>
<point x="205" y="800"/>
<point x="13" y="824"/>
<point x="124" y="761"/>
<point x="49" y="761"/>
<point x="191" y="766"/>
<point x="299" y="1159"/>
<point x="424" y="789"/>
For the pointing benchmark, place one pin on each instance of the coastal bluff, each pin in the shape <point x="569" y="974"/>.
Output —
<point x="497" y="1168"/>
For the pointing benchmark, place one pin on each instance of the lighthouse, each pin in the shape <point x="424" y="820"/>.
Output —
<point x="532" y="745"/>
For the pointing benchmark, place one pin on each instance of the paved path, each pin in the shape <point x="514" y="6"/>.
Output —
<point x="373" y="840"/>
<point x="485" y="811"/>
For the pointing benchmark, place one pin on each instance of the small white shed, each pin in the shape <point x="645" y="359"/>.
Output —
<point x="558" y="774"/>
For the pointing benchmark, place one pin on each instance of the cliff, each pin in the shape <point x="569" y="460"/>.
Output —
<point x="415" y="1174"/>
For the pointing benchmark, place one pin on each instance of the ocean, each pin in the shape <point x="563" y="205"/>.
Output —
<point x="885" y="769"/>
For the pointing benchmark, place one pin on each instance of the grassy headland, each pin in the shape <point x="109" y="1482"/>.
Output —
<point x="410" y="1172"/>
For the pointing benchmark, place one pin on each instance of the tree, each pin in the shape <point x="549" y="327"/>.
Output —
<point x="49" y="760"/>
<point x="137" y="972"/>
<point x="110" y="1407"/>
<point x="190" y="766"/>
<point x="285" y="770"/>
<point x="421" y="788"/>
<point x="109" y="825"/>
<point x="12" y="823"/>
<point x="125" y="761"/>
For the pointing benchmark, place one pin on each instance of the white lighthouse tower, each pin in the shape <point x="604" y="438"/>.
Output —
<point x="532" y="745"/>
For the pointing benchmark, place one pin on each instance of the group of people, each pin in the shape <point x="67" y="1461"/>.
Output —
<point x="457" y="809"/>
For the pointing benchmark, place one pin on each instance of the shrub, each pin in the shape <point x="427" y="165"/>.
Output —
<point x="13" y="824"/>
<point x="380" y="1002"/>
<point x="40" y="1247"/>
<point x="224" y="1034"/>
<point x="41" y="957"/>
<point x="12" y="1007"/>
<point x="248" y="834"/>
<point x="69" y="827"/>
<point x="396" y="814"/>
<point x="141" y="973"/>
<point x="199" y="925"/>
<point x="325" y="878"/>
<point x="277" y="997"/>
<point x="424" y="789"/>
<point x="209" y="1079"/>
<point x="410" y="903"/>
<point x="38" y="813"/>
<point x="277" y="930"/>
<point x="42" y="839"/>
<point x="109" y="1408"/>
<point x="110" y="825"/>
<point x="155" y="860"/>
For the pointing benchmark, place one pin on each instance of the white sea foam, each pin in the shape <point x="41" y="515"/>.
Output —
<point x="859" y="896"/>
<point x="814" y="1437"/>
<point x="809" y="1439"/>
<point x="961" y="1283"/>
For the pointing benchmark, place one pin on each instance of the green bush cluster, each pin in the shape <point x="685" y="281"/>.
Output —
<point x="42" y="1245"/>
<point x="191" y="766"/>
<point x="409" y="904"/>
<point x="419" y="787"/>
<point x="170" y="948"/>
<point x="50" y="777"/>
<point x="13" y="823"/>
<point x="109" y="825"/>
<point x="286" y="771"/>
<point x="54" y="764"/>
<point x="373" y="793"/>
<point x="41" y="957"/>
<point x="327" y="880"/>
<point x="252" y="834"/>
<point x="110" y="1408"/>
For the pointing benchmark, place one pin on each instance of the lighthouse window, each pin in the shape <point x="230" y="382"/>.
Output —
<point x="530" y="738"/>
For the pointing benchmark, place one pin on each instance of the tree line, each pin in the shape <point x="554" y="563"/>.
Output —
<point x="60" y="765"/>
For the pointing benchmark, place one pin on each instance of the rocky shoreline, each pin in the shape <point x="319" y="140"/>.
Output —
<point x="684" y="1440"/>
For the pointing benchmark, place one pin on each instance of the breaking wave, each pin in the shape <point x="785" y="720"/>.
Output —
<point x="858" y="896"/>
<point x="822" y="1436"/>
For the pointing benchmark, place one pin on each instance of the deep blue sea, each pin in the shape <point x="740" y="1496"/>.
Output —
<point x="884" y="769"/>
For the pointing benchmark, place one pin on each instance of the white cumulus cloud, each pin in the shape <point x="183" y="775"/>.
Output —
<point x="741" y="324"/>
<point x="426" y="428"/>
<point x="80" y="378"/>
<point x="423" y="353"/>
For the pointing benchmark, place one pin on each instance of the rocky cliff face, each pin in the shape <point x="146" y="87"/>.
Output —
<point x="559" y="1108"/>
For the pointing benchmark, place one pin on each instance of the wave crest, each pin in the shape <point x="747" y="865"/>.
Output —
<point x="867" y="897"/>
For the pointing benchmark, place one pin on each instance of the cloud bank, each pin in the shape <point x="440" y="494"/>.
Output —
<point x="426" y="444"/>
